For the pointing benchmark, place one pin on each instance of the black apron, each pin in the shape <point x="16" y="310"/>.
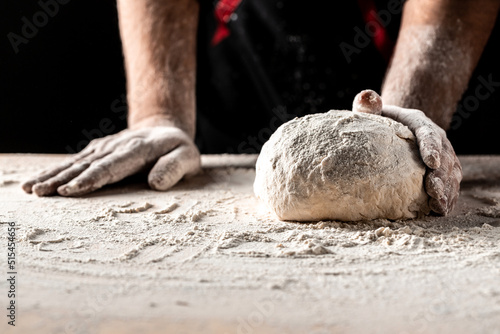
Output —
<point x="263" y="62"/>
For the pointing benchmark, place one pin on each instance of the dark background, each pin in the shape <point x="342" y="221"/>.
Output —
<point x="67" y="84"/>
<point x="63" y="80"/>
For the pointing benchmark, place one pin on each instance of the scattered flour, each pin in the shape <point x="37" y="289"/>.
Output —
<point x="213" y="249"/>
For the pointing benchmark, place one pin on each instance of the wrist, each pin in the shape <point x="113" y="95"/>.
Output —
<point x="161" y="120"/>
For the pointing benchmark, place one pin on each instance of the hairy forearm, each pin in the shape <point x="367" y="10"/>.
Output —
<point x="438" y="47"/>
<point x="159" y="46"/>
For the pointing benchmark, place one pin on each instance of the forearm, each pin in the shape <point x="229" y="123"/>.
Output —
<point x="438" y="47"/>
<point x="159" y="46"/>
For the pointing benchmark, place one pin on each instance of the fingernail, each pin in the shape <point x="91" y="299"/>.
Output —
<point x="27" y="187"/>
<point x="62" y="190"/>
<point x="40" y="189"/>
<point x="69" y="188"/>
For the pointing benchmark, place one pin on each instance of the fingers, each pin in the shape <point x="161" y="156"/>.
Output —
<point x="367" y="101"/>
<point x="445" y="205"/>
<point x="429" y="135"/>
<point x="455" y="191"/>
<point x="47" y="183"/>
<point x="430" y="145"/>
<point x="437" y="186"/>
<point x="111" y="168"/>
<point x="170" y="168"/>
<point x="28" y="185"/>
<point x="443" y="184"/>
<point x="45" y="175"/>
<point x="50" y="186"/>
<point x="64" y="173"/>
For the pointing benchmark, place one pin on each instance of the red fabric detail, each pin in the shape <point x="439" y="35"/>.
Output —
<point x="223" y="11"/>
<point x="380" y="37"/>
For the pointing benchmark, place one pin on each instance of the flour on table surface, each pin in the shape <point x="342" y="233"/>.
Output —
<point x="214" y="249"/>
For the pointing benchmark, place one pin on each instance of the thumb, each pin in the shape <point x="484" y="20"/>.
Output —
<point x="173" y="166"/>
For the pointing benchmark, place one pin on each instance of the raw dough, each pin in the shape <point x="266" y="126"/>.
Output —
<point x="341" y="165"/>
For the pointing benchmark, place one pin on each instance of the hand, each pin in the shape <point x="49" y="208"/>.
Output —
<point x="442" y="181"/>
<point x="110" y="159"/>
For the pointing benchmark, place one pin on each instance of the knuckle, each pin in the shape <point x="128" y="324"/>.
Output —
<point x="81" y="165"/>
<point x="179" y="135"/>
<point x="416" y="113"/>
<point x="135" y="142"/>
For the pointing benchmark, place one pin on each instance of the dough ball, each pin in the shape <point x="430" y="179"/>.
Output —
<point x="342" y="165"/>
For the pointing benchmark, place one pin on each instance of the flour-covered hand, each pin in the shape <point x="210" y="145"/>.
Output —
<point x="442" y="181"/>
<point x="169" y="150"/>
